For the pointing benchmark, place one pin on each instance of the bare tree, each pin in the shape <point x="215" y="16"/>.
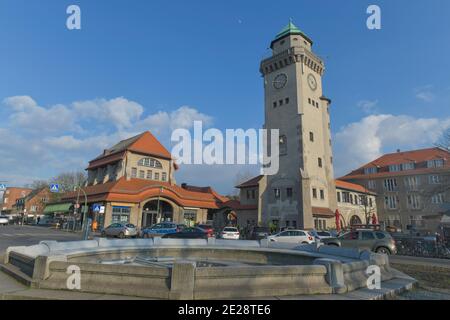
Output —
<point x="67" y="181"/>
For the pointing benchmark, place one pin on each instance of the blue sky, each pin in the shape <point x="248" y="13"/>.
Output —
<point x="152" y="65"/>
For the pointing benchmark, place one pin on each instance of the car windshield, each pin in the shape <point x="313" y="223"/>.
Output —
<point x="323" y="233"/>
<point x="230" y="230"/>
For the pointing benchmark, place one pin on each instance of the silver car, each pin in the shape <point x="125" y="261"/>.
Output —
<point x="120" y="230"/>
<point x="4" y="220"/>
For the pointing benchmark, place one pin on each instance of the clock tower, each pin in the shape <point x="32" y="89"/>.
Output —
<point x="302" y="194"/>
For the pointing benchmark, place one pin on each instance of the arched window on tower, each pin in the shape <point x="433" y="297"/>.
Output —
<point x="148" y="162"/>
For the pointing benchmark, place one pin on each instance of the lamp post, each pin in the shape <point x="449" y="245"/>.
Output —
<point x="84" y="226"/>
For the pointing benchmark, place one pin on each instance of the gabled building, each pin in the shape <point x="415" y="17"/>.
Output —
<point x="10" y="197"/>
<point x="413" y="187"/>
<point x="133" y="181"/>
<point x="33" y="204"/>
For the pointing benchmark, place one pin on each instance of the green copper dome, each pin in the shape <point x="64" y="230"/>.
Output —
<point x="290" y="29"/>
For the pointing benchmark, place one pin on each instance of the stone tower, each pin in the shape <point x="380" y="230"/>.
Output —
<point x="304" y="188"/>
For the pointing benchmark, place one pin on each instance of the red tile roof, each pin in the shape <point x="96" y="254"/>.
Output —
<point x="352" y="187"/>
<point x="418" y="157"/>
<point x="138" y="190"/>
<point x="144" y="143"/>
<point x="253" y="182"/>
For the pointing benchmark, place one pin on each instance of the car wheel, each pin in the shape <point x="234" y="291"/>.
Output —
<point x="383" y="250"/>
<point x="121" y="235"/>
<point x="304" y="242"/>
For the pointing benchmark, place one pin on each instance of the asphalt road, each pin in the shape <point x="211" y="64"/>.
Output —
<point x="14" y="235"/>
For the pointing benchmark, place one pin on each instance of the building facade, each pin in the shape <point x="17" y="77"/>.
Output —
<point x="356" y="205"/>
<point x="134" y="182"/>
<point x="413" y="187"/>
<point x="10" y="197"/>
<point x="32" y="205"/>
<point x="304" y="188"/>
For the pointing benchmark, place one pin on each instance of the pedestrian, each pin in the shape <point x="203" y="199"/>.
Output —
<point x="38" y="220"/>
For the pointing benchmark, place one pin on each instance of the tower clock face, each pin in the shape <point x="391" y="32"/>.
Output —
<point x="312" y="82"/>
<point x="280" y="81"/>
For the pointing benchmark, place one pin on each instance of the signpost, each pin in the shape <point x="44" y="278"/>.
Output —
<point x="2" y="187"/>
<point x="54" y="187"/>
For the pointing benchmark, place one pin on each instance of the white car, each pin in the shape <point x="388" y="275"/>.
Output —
<point x="230" y="233"/>
<point x="4" y="220"/>
<point x="292" y="236"/>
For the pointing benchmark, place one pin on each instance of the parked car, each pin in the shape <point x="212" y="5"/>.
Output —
<point x="207" y="228"/>
<point x="231" y="233"/>
<point x="320" y="235"/>
<point x="4" y="220"/>
<point x="292" y="236"/>
<point x="160" y="229"/>
<point x="121" y="230"/>
<point x="374" y="240"/>
<point x="188" y="233"/>
<point x="259" y="233"/>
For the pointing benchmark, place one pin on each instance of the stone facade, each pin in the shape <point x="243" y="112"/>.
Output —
<point x="295" y="105"/>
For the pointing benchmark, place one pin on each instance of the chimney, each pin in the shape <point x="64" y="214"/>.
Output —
<point x="398" y="150"/>
<point x="184" y="185"/>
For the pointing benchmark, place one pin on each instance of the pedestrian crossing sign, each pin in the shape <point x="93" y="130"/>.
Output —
<point x="54" y="187"/>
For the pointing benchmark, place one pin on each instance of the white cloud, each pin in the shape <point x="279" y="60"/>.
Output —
<point x="360" y="142"/>
<point x="425" y="93"/>
<point x="368" y="106"/>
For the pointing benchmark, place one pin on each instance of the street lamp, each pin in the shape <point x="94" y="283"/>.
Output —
<point x="85" y="226"/>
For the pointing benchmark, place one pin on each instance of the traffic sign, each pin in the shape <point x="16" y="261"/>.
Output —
<point x="54" y="187"/>
<point x="2" y="187"/>
<point x="96" y="207"/>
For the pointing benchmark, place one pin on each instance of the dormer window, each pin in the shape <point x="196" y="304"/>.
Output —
<point x="395" y="168"/>
<point x="436" y="163"/>
<point x="408" y="166"/>
<point x="370" y="170"/>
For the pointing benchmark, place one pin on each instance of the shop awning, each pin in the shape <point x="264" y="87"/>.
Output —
<point x="58" y="208"/>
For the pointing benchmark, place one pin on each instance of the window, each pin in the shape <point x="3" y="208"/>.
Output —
<point x="314" y="193"/>
<point x="253" y="194"/>
<point x="338" y="196"/>
<point x="437" y="163"/>
<point x="370" y="170"/>
<point x="141" y="174"/>
<point x="370" y="202"/>
<point x="277" y="193"/>
<point x="380" y="235"/>
<point x="371" y="184"/>
<point x="390" y="184"/>
<point x="346" y="197"/>
<point x="309" y="100"/>
<point x="280" y="102"/>
<point x="148" y="162"/>
<point x="121" y="214"/>
<point x="390" y="202"/>
<point x="133" y="172"/>
<point x="289" y="193"/>
<point x="367" y="235"/>
<point x="311" y="136"/>
<point x="434" y="179"/>
<point x="149" y="174"/>
<point x="156" y="175"/>
<point x="283" y="145"/>
<point x="408" y="166"/>
<point x="394" y="168"/>
<point x="248" y="194"/>
<point x="437" y="198"/>
<point x="164" y="176"/>
<point x="274" y="104"/>
<point x="319" y="162"/>
<point x="286" y="100"/>
<point x="322" y="194"/>
<point x="351" y="198"/>
<point x="411" y="183"/>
